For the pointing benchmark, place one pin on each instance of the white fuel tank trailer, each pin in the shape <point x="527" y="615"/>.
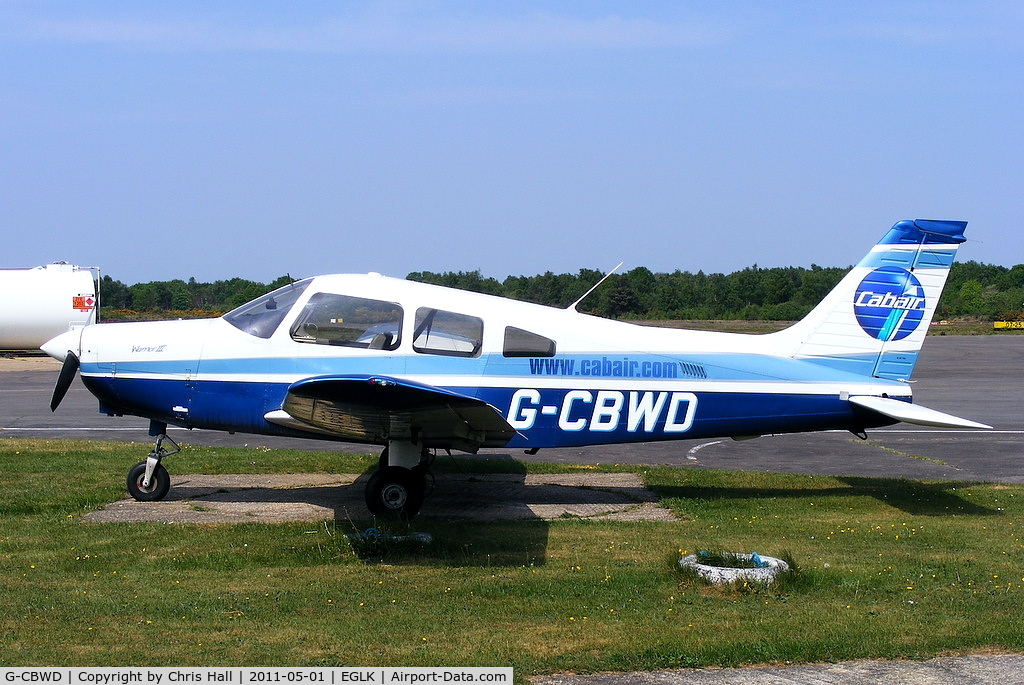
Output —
<point x="39" y="303"/>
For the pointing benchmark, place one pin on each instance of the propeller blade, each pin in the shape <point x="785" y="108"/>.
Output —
<point x="64" y="380"/>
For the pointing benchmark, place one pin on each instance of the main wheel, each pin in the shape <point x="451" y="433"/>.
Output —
<point x="159" y="484"/>
<point x="394" y="492"/>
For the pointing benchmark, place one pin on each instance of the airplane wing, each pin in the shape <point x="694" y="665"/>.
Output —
<point x="913" y="413"/>
<point x="376" y="409"/>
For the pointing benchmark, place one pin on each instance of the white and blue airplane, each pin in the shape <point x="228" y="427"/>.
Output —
<point x="417" y="368"/>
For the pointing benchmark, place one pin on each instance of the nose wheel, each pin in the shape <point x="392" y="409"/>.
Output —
<point x="148" y="481"/>
<point x="158" y="487"/>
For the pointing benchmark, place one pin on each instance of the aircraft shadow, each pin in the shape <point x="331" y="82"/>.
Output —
<point x="918" y="498"/>
<point x="490" y="514"/>
<point x="468" y="519"/>
<point x="472" y="518"/>
<point x="461" y="544"/>
<point x="912" y="497"/>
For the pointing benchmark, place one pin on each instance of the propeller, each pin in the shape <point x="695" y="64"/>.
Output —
<point x="64" y="380"/>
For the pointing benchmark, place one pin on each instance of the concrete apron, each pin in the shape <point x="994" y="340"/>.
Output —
<point x="239" y="498"/>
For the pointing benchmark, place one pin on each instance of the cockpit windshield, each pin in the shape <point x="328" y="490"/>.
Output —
<point x="262" y="316"/>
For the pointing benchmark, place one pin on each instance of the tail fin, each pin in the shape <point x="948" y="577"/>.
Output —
<point x="874" y="322"/>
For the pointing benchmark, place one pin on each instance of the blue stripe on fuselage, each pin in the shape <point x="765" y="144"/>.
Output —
<point x="566" y="418"/>
<point x="217" y="405"/>
<point x="544" y="417"/>
<point x="589" y="367"/>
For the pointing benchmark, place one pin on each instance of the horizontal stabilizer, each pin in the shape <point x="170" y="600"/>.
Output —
<point x="913" y="413"/>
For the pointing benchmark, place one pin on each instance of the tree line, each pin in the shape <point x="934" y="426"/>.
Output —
<point x="973" y="289"/>
<point x="183" y="298"/>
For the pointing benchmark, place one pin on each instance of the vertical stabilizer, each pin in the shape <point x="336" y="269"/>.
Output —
<point x="875" y="320"/>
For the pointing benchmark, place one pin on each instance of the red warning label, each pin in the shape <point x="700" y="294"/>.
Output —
<point x="83" y="303"/>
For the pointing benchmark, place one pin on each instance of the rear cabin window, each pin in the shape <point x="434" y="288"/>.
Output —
<point x="520" y="343"/>
<point x="447" y="333"/>
<point x="330" y="319"/>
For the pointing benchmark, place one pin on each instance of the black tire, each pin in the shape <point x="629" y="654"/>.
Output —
<point x="159" y="484"/>
<point x="394" y="492"/>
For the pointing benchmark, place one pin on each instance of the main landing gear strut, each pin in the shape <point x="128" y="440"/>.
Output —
<point x="398" y="487"/>
<point x="148" y="481"/>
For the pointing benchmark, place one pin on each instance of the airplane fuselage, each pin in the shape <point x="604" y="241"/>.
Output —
<point x="599" y="381"/>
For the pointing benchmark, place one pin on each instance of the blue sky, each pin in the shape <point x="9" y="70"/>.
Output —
<point x="222" y="139"/>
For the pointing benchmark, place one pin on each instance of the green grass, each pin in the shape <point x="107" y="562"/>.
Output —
<point x="888" y="569"/>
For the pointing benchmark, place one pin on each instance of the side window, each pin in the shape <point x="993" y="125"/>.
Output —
<point x="330" y="319"/>
<point x="447" y="333"/>
<point x="520" y="343"/>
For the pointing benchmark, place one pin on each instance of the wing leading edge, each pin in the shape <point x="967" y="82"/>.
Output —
<point x="377" y="409"/>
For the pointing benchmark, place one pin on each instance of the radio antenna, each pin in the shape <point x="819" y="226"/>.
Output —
<point x="594" y="287"/>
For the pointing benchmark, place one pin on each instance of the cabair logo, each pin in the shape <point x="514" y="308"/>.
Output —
<point x="889" y="303"/>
